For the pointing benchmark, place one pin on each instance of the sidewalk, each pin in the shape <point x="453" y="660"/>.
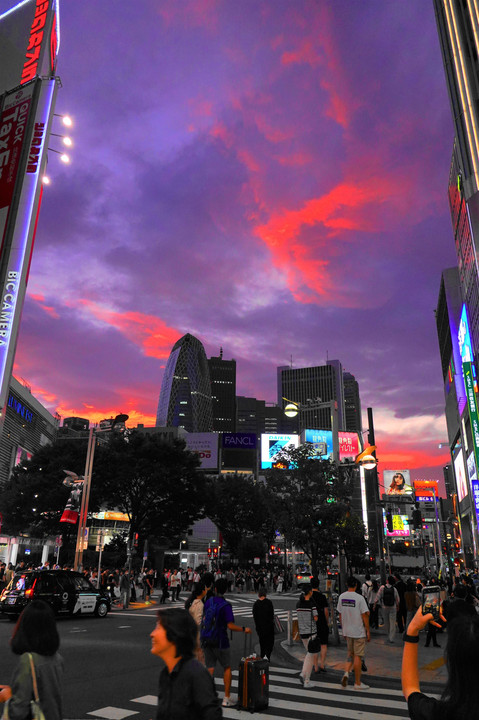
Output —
<point x="385" y="660"/>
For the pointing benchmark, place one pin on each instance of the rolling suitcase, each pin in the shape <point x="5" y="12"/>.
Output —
<point x="253" y="682"/>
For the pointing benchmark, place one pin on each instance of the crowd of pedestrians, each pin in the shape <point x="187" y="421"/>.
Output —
<point x="192" y="640"/>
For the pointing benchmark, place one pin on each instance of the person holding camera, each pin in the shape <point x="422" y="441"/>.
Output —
<point x="460" y="698"/>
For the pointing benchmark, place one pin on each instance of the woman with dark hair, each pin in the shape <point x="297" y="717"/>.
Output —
<point x="186" y="688"/>
<point x="398" y="485"/>
<point x="460" y="698"/>
<point x="35" y="638"/>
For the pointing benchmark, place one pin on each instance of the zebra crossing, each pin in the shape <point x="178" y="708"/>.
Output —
<point x="288" y="700"/>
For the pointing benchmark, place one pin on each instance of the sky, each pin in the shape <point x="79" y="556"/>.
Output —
<point x="268" y="175"/>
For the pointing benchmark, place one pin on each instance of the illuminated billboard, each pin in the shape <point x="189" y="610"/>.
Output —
<point x="323" y="440"/>
<point x="397" y="482"/>
<point x="400" y="526"/>
<point x="205" y="445"/>
<point x="426" y="490"/>
<point x="271" y="446"/>
<point x="29" y="41"/>
<point x="238" y="451"/>
<point x="460" y="473"/>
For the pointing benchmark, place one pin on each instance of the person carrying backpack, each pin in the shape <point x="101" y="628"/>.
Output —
<point x="388" y="599"/>
<point x="217" y="619"/>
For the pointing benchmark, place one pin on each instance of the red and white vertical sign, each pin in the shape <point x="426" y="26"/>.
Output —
<point x="13" y="124"/>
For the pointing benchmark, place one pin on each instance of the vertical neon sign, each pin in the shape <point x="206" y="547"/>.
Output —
<point x="470" y="382"/>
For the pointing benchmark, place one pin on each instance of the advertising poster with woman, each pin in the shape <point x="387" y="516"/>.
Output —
<point x="397" y="482"/>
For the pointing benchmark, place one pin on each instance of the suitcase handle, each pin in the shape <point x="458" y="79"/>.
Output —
<point x="248" y="644"/>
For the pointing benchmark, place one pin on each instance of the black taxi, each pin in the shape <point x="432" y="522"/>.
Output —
<point x="68" y="593"/>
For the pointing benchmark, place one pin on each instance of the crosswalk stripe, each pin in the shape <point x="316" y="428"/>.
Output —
<point x="340" y="695"/>
<point x="288" y="700"/>
<point x="146" y="700"/>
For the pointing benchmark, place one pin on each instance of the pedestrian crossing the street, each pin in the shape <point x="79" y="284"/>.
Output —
<point x="288" y="700"/>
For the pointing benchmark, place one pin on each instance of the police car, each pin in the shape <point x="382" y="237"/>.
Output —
<point x="68" y="592"/>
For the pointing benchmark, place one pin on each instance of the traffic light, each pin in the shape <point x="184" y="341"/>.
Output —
<point x="417" y="519"/>
<point x="209" y="552"/>
<point x="389" y="520"/>
<point x="135" y="540"/>
<point x="215" y="551"/>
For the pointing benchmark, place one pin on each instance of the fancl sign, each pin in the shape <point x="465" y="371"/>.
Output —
<point x="239" y="441"/>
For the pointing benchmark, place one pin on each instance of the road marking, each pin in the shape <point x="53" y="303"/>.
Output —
<point x="77" y="630"/>
<point x="147" y="700"/>
<point x="122" y="627"/>
<point x="435" y="664"/>
<point x="113" y="713"/>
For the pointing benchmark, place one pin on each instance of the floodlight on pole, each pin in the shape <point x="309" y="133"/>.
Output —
<point x="66" y="119"/>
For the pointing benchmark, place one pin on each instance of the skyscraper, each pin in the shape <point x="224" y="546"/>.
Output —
<point x="458" y="27"/>
<point x="312" y="388"/>
<point x="185" y="397"/>
<point x="457" y="314"/>
<point x="223" y="393"/>
<point x="352" y="404"/>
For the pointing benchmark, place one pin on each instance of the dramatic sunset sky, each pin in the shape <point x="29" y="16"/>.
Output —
<point x="268" y="175"/>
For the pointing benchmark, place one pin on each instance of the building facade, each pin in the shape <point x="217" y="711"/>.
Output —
<point x="352" y="404"/>
<point x="312" y="388"/>
<point x="223" y="393"/>
<point x="458" y="29"/>
<point x="185" y="397"/>
<point x="258" y="416"/>
<point x="28" y="426"/>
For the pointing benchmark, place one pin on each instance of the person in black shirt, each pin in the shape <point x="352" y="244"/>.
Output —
<point x="263" y="614"/>
<point x="186" y="689"/>
<point x="460" y="698"/>
<point x="322" y="623"/>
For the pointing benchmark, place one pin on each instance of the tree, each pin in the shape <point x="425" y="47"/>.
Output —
<point x="33" y="499"/>
<point x="155" y="483"/>
<point x="352" y="539"/>
<point x="238" y="507"/>
<point x="309" y="502"/>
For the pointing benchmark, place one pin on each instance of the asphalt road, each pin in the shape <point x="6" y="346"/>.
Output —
<point x="110" y="672"/>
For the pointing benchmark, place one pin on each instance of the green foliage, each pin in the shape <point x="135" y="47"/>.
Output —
<point x="310" y="502"/>
<point x="239" y="508"/>
<point x="34" y="498"/>
<point x="155" y="483"/>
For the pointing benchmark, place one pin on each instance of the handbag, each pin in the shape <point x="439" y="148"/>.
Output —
<point x="36" y="710"/>
<point x="314" y="643"/>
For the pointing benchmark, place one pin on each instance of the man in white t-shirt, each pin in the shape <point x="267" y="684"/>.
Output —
<point x="354" y="617"/>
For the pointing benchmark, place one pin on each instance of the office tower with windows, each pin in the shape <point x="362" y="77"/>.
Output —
<point x="458" y="28"/>
<point x="352" y="404"/>
<point x="313" y="389"/>
<point x="223" y="393"/>
<point x="185" y="397"/>
<point x="258" y="416"/>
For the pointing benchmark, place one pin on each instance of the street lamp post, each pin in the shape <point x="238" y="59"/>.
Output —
<point x="85" y="498"/>
<point x="118" y="422"/>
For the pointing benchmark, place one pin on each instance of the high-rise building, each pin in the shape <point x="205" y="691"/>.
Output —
<point x="258" y="416"/>
<point x="185" y="397"/>
<point x="352" y="404"/>
<point x="223" y="393"/>
<point x="312" y="388"/>
<point x="458" y="27"/>
<point x="457" y="314"/>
